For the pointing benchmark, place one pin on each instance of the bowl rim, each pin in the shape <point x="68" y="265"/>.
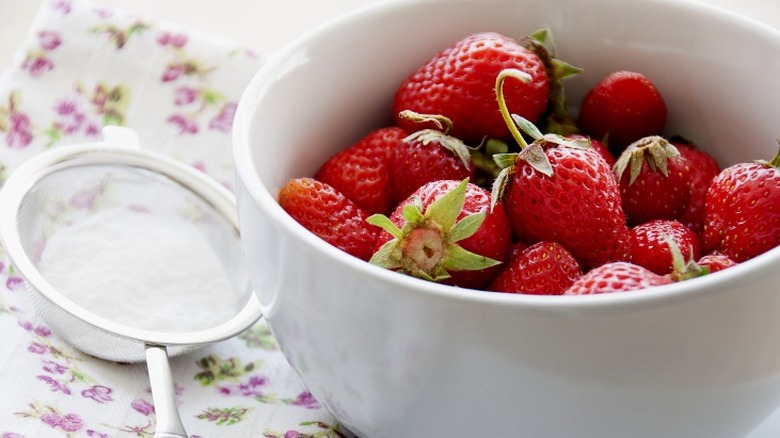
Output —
<point x="249" y="182"/>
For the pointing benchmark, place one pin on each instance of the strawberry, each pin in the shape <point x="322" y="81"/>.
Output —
<point x="330" y="215"/>
<point x="445" y="231"/>
<point x="703" y="168"/>
<point x="427" y="155"/>
<point x="742" y="217"/>
<point x="360" y="171"/>
<point x="658" y="182"/>
<point x="597" y="146"/>
<point x="458" y="83"/>
<point x="544" y="268"/>
<point x="623" y="107"/>
<point x="716" y="261"/>
<point x="560" y="190"/>
<point x="616" y="277"/>
<point x="650" y="249"/>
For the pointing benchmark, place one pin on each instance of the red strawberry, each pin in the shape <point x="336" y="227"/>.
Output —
<point x="445" y="231"/>
<point x="560" y="190"/>
<point x="545" y="268"/>
<point x="703" y="168"/>
<point x="716" y="261"/>
<point x="516" y="248"/>
<point x="458" y="83"/>
<point x="428" y="155"/>
<point x="597" y="146"/>
<point x="616" y="277"/>
<point x="624" y="107"/>
<point x="743" y="210"/>
<point x="650" y="249"/>
<point x="658" y="182"/>
<point x="327" y="213"/>
<point x="360" y="171"/>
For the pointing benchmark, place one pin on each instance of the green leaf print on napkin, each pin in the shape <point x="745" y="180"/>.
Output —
<point x="224" y="416"/>
<point x="216" y="369"/>
<point x="259" y="336"/>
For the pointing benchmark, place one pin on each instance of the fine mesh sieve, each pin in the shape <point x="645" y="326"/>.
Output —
<point x="65" y="188"/>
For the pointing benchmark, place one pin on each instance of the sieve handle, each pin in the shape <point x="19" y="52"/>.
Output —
<point x="169" y="423"/>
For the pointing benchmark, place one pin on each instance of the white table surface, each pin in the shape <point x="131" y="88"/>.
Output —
<point x="269" y="25"/>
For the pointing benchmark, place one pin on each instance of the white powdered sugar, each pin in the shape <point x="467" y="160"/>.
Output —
<point x="140" y="270"/>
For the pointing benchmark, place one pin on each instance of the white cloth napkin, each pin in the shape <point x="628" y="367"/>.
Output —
<point x="83" y="67"/>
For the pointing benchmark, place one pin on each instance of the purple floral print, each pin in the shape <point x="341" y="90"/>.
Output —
<point x="251" y="388"/>
<point x="53" y="367"/>
<point x="55" y="385"/>
<point x="19" y="133"/>
<point x="37" y="62"/>
<point x="68" y="423"/>
<point x="63" y="6"/>
<point x="185" y="124"/>
<point x="177" y="40"/>
<point x="224" y="120"/>
<point x="37" y="348"/>
<point x="99" y="393"/>
<point x="49" y="40"/>
<point x="143" y="407"/>
<point x="50" y="103"/>
<point x="306" y="400"/>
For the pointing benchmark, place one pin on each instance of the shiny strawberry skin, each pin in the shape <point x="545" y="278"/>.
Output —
<point x="624" y="107"/>
<point x="616" y="277"/>
<point x="459" y="84"/>
<point x="597" y="146"/>
<point x="415" y="164"/>
<point x="743" y="211"/>
<point x="330" y="215"/>
<point x="655" y="196"/>
<point x="703" y="168"/>
<point x="361" y="172"/>
<point x="492" y="239"/>
<point x="544" y="268"/>
<point x="578" y="207"/>
<point x="650" y="250"/>
<point x="716" y="261"/>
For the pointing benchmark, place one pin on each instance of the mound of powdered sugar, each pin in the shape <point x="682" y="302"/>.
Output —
<point x="140" y="270"/>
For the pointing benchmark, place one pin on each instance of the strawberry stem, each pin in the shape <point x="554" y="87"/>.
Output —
<point x="775" y="162"/>
<point x="500" y="79"/>
<point x="443" y="123"/>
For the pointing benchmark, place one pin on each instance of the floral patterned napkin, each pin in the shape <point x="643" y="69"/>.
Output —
<point x="83" y="67"/>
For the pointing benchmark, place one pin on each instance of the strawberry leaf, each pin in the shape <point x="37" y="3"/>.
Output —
<point x="534" y="155"/>
<point x="499" y="185"/>
<point x="387" y="255"/>
<point x="412" y="214"/>
<point x="445" y="210"/>
<point x="460" y="259"/>
<point x="385" y="223"/>
<point x="526" y="126"/>
<point x="655" y="149"/>
<point x="466" y="227"/>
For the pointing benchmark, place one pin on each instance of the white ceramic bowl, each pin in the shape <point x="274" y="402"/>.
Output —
<point x="393" y="356"/>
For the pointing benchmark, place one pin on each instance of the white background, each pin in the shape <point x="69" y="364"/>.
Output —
<point x="268" y="25"/>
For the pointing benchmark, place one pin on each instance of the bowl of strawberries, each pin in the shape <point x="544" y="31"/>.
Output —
<point x="458" y="225"/>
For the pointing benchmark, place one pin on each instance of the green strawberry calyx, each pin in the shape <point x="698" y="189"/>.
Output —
<point x="534" y="153"/>
<point x="654" y="149"/>
<point x="442" y="137"/>
<point x="683" y="269"/>
<point x="426" y="246"/>
<point x="774" y="162"/>
<point x="558" y="119"/>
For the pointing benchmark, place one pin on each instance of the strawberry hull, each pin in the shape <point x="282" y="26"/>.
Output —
<point x="390" y="355"/>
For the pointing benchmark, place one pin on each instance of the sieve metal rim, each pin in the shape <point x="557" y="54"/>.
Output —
<point x="33" y="170"/>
